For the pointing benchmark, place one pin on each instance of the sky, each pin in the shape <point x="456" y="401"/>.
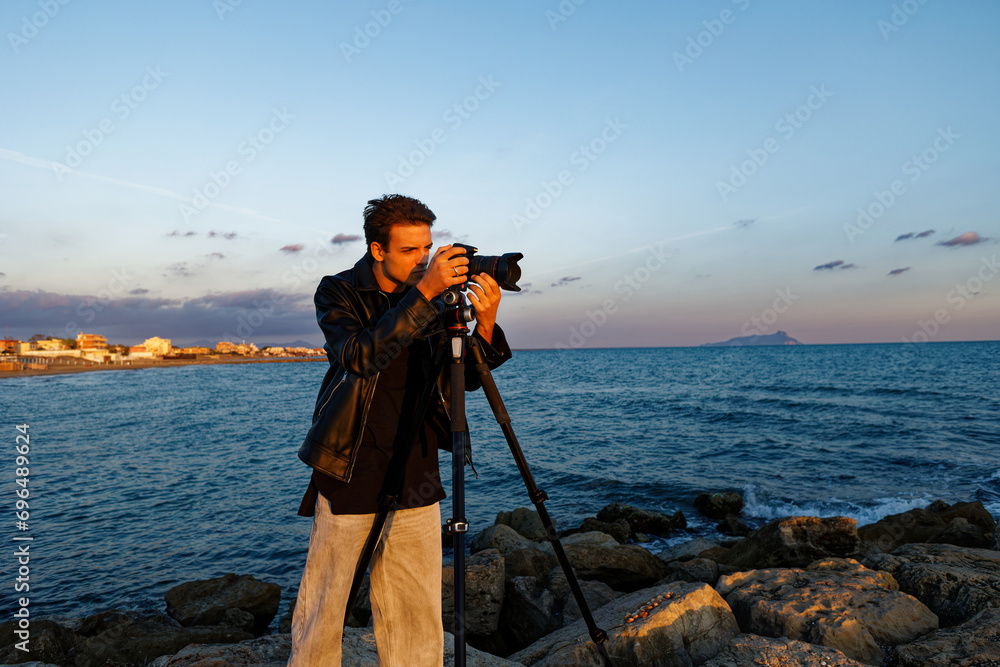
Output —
<point x="674" y="173"/>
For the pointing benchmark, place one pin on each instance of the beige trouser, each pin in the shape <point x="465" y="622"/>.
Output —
<point x="405" y="588"/>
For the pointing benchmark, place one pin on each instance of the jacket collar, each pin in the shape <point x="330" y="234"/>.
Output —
<point x="364" y="276"/>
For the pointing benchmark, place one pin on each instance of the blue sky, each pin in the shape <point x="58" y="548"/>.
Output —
<point x="674" y="173"/>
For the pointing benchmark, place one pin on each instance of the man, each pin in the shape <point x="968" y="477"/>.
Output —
<point x="381" y="330"/>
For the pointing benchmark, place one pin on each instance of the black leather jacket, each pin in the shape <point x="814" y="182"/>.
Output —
<point x="363" y="335"/>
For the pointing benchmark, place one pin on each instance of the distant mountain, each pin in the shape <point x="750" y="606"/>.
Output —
<point x="777" y="338"/>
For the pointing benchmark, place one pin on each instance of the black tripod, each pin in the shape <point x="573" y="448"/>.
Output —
<point x="461" y="346"/>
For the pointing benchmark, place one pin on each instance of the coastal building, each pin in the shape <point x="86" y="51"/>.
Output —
<point x="139" y="352"/>
<point x="159" y="347"/>
<point x="195" y="350"/>
<point x="9" y="346"/>
<point x="91" y="342"/>
<point x="26" y="347"/>
<point x="51" y="345"/>
<point x="225" y="347"/>
<point x="246" y="349"/>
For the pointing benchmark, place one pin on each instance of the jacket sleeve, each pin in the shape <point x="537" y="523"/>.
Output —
<point x="495" y="354"/>
<point x="362" y="348"/>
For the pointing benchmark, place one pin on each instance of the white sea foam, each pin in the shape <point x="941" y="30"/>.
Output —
<point x="758" y="505"/>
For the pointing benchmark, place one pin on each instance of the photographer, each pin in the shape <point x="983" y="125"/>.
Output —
<point x="381" y="333"/>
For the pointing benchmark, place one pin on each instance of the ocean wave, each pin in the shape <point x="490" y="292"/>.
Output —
<point x="758" y="505"/>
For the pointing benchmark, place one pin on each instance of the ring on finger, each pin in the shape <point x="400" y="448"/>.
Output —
<point x="455" y="268"/>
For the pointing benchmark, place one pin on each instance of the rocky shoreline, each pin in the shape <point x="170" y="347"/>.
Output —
<point x="921" y="588"/>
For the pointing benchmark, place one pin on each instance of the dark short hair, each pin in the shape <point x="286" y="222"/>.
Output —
<point x="388" y="210"/>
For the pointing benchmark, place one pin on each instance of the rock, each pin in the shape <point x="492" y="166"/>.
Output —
<point x="501" y="537"/>
<point x="285" y="624"/>
<point x="484" y="589"/>
<point x="752" y="651"/>
<point x="473" y="657"/>
<point x="689" y="627"/>
<point x="530" y="612"/>
<point x="620" y="529"/>
<point x="836" y="602"/>
<point x="595" y="593"/>
<point x="48" y="641"/>
<point x="623" y="567"/>
<point x="718" y="505"/>
<point x="642" y="521"/>
<point x="733" y="525"/>
<point x="529" y="563"/>
<point x="975" y="642"/>
<point x="955" y="582"/>
<point x="923" y="525"/>
<point x="266" y="651"/>
<point x="792" y="542"/>
<point x="963" y="534"/>
<point x="526" y="522"/>
<point x="206" y="602"/>
<point x="697" y="569"/>
<point x="139" y="637"/>
<point x="996" y="538"/>
<point x="687" y="550"/>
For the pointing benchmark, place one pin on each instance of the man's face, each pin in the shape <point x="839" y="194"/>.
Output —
<point x="404" y="261"/>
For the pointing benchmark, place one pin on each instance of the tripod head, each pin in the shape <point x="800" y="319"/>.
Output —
<point x="457" y="311"/>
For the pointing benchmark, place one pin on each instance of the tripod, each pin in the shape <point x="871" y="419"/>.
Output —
<point x="464" y="348"/>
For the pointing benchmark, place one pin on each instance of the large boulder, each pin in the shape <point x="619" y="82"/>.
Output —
<point x="996" y="538"/>
<point x="753" y="651"/>
<point x="682" y="624"/>
<point x="718" y="505"/>
<point x="687" y="550"/>
<point x="791" y="542"/>
<point x="955" y="582"/>
<point x="642" y="521"/>
<point x="484" y="589"/>
<point x="266" y="651"/>
<point x="623" y="567"/>
<point x="595" y="593"/>
<point x="928" y="525"/>
<point x="529" y="563"/>
<point x="526" y="522"/>
<point x="48" y="641"/>
<point x="975" y="642"/>
<point x="207" y="602"/>
<point x="697" y="569"/>
<point x="620" y="529"/>
<point x="837" y="603"/>
<point x="501" y="537"/>
<point x="530" y="611"/>
<point x="139" y="637"/>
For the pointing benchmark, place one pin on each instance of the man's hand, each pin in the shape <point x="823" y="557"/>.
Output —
<point x="484" y="295"/>
<point x="447" y="267"/>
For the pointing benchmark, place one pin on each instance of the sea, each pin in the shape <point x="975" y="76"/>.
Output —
<point x="144" y="479"/>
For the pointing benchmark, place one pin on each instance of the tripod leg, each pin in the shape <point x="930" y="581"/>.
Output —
<point x="538" y="497"/>
<point x="457" y="525"/>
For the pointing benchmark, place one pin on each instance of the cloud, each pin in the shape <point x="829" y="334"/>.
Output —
<point x="229" y="236"/>
<point x="179" y="270"/>
<point x="968" y="238"/>
<point x="2" y="274"/>
<point x="836" y="264"/>
<point x="177" y="233"/>
<point x="896" y="272"/>
<point x="914" y="235"/>
<point x="217" y="255"/>
<point x="255" y="315"/>
<point x="293" y="248"/>
<point x="566" y="280"/>
<point x="341" y="239"/>
<point x="442" y="234"/>
<point x="139" y="290"/>
<point x="745" y="222"/>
